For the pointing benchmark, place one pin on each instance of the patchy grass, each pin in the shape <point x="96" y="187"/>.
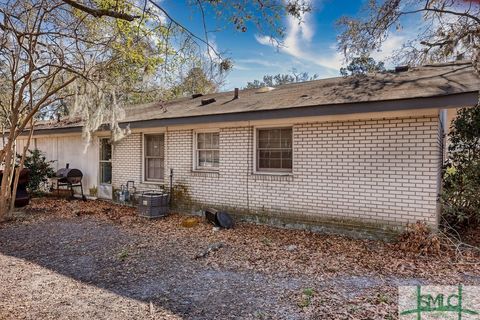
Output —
<point x="122" y="256"/>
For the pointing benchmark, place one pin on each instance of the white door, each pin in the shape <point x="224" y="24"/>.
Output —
<point x="105" y="169"/>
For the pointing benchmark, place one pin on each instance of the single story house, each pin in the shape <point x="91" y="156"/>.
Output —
<point x="362" y="153"/>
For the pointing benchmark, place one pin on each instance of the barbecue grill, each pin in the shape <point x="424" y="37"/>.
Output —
<point x="70" y="178"/>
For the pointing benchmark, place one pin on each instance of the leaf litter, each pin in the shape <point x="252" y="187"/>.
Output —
<point x="259" y="272"/>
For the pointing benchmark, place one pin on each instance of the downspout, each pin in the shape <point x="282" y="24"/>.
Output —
<point x="249" y="160"/>
<point x="442" y="119"/>
<point x="166" y="160"/>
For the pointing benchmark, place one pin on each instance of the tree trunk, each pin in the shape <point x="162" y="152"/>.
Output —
<point x="6" y="181"/>
<point x="20" y="168"/>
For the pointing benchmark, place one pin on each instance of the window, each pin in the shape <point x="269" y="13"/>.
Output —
<point x="274" y="149"/>
<point x="105" y="161"/>
<point x="154" y="146"/>
<point x="207" y="152"/>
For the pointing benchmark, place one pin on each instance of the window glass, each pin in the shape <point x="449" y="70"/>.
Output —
<point x="274" y="149"/>
<point x="105" y="165"/>
<point x="154" y="145"/>
<point x="105" y="149"/>
<point x="154" y="148"/>
<point x="207" y="151"/>
<point x="106" y="172"/>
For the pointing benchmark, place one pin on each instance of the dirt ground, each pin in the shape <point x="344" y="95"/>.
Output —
<point x="94" y="260"/>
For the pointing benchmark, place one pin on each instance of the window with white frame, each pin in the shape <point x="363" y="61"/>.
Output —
<point x="105" y="161"/>
<point x="207" y="150"/>
<point x="154" y="156"/>
<point x="274" y="149"/>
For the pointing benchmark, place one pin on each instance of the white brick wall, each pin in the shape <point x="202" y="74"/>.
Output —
<point x="381" y="171"/>
<point x="127" y="161"/>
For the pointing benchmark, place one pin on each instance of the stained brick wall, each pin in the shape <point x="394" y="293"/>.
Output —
<point x="381" y="171"/>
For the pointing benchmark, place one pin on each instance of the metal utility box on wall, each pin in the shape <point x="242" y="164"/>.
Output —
<point x="153" y="204"/>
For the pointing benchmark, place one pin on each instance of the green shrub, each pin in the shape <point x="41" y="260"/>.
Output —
<point x="461" y="172"/>
<point x="40" y="170"/>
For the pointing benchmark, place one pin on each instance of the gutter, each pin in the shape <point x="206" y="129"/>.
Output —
<point x="439" y="102"/>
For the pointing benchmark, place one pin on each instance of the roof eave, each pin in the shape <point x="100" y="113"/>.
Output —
<point x="438" y="102"/>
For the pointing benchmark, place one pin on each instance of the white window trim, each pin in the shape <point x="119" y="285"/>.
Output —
<point x="195" y="167"/>
<point x="100" y="138"/>
<point x="273" y="172"/>
<point x="153" y="133"/>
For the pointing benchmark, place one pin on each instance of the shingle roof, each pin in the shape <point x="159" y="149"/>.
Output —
<point x="419" y="82"/>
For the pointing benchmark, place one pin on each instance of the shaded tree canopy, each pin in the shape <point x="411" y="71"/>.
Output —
<point x="361" y="66"/>
<point x="461" y="183"/>
<point x="196" y="81"/>
<point x="281" y="78"/>
<point x="446" y="29"/>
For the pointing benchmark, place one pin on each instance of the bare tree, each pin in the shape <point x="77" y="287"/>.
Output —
<point x="359" y="66"/>
<point x="449" y="29"/>
<point x="85" y="54"/>
<point x="280" y="79"/>
<point x="43" y="50"/>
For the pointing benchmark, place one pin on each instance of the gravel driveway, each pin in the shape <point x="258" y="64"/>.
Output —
<point x="85" y="266"/>
<point x="90" y="257"/>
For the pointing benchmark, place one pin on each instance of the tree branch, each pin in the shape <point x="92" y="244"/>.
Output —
<point x="185" y="29"/>
<point x="443" y="11"/>
<point x="98" y="13"/>
<point x="44" y="101"/>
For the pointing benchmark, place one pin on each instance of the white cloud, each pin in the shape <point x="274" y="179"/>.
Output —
<point x="154" y="9"/>
<point x="260" y="62"/>
<point x="240" y="67"/>
<point x="393" y="42"/>
<point x="211" y="49"/>
<point x="266" y="41"/>
<point x="330" y="59"/>
<point x="297" y="43"/>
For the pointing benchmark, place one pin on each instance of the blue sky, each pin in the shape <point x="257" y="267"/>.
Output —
<point x="310" y="47"/>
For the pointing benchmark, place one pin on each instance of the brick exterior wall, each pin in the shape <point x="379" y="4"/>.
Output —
<point x="377" y="171"/>
<point x="127" y="161"/>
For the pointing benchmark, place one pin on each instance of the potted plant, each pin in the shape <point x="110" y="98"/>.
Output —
<point x="93" y="191"/>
